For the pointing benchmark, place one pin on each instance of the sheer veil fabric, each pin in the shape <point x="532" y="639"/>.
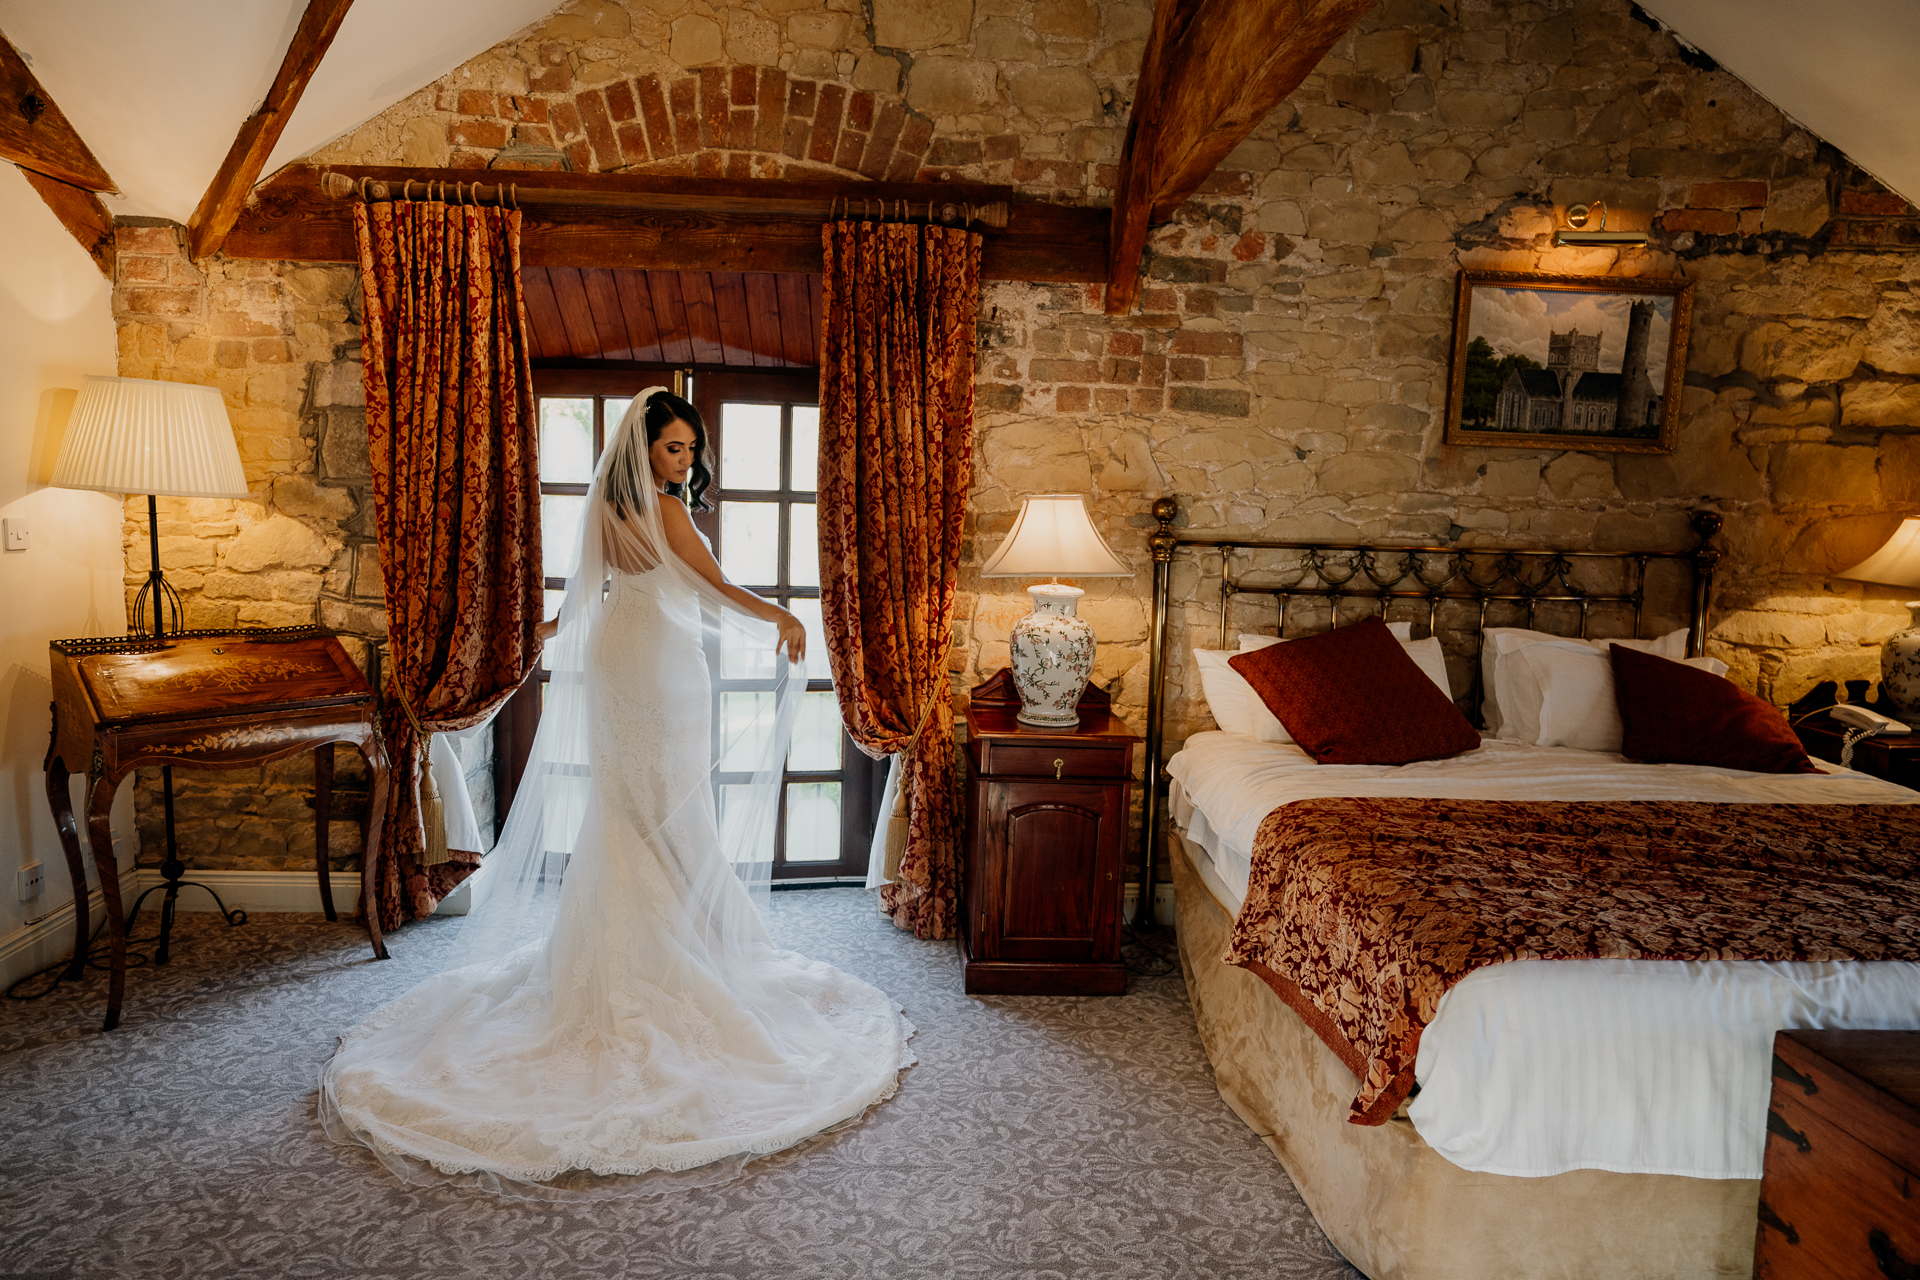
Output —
<point x="619" y="1021"/>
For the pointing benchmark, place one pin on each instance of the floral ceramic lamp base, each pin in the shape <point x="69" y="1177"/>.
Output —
<point x="1052" y="655"/>
<point x="1900" y="671"/>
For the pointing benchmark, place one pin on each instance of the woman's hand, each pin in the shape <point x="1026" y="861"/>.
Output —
<point x="547" y="630"/>
<point x="793" y="637"/>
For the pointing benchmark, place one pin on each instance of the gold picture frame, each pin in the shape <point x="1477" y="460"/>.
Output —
<point x="1526" y="375"/>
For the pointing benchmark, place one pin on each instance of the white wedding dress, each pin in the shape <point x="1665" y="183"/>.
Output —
<point x="642" y="1021"/>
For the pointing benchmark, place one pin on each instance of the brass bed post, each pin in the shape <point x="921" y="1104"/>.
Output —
<point x="1161" y="542"/>
<point x="1706" y="527"/>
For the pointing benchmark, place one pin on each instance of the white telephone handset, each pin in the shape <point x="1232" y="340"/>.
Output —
<point x="1861" y="718"/>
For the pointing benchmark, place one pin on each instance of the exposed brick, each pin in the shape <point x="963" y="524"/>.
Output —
<point x="916" y="136"/>
<point x="999" y="396"/>
<point x="525" y="110"/>
<point x="532" y="135"/>
<point x="145" y="240"/>
<point x="1882" y="204"/>
<point x="633" y="143"/>
<point x="653" y="113"/>
<point x="710" y="164"/>
<point x="802" y="97"/>
<point x="593" y="116"/>
<point x="1146" y="401"/>
<point x="1861" y="233"/>
<point x="620" y="103"/>
<point x="886" y="131"/>
<point x="1713" y="222"/>
<point x="1250" y="246"/>
<point x="956" y="151"/>
<point x="860" y="111"/>
<point x="1728" y="195"/>
<point x="476" y="102"/>
<point x="713" y="106"/>
<point x="1187" y="270"/>
<point x="1106" y="175"/>
<point x="1199" y="302"/>
<point x="685" y="100"/>
<point x="580" y="156"/>
<point x="739" y="164"/>
<point x="1003" y="146"/>
<point x="1064" y="371"/>
<point x="565" y="119"/>
<point x="1192" y="342"/>
<point x="1153" y="371"/>
<point x="1187" y="369"/>
<point x="270" y="351"/>
<point x="1110" y="399"/>
<point x="1225" y="182"/>
<point x="1123" y="372"/>
<point x="1160" y="299"/>
<point x="1072" y="399"/>
<point x="1218" y="402"/>
<point x="142" y="270"/>
<point x="826" y="124"/>
<point x="1123" y="344"/>
<point x="550" y="79"/>
<point x="904" y="167"/>
<point x="490" y="134"/>
<point x="770" y="131"/>
<point x="743" y="89"/>
<point x="170" y="303"/>
<point x="798" y="131"/>
<point x="740" y="129"/>
<point x="231" y="353"/>
<point x="852" y="147"/>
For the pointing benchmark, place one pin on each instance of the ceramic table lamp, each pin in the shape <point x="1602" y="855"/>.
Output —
<point x="1897" y="564"/>
<point x="1052" y="647"/>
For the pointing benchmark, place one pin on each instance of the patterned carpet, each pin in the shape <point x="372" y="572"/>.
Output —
<point x="1041" y="1138"/>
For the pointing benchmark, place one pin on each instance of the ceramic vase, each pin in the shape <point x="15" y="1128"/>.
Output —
<point x="1051" y="656"/>
<point x="1900" y="673"/>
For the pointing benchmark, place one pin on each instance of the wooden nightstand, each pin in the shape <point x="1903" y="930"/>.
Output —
<point x="1046" y="843"/>
<point x="1895" y="759"/>
<point x="1843" y="1157"/>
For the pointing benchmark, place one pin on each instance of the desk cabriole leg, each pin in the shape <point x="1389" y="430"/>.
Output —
<point x="100" y="836"/>
<point x="60" y="800"/>
<point x="322" y="815"/>
<point x="376" y="754"/>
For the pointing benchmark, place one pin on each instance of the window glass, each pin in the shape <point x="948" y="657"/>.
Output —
<point x="612" y="409"/>
<point x="806" y="447"/>
<point x="744" y="718"/>
<point x="808" y="611"/>
<point x="803" y="545"/>
<point x="566" y="440"/>
<point x="750" y="542"/>
<point x="813" y="822"/>
<point x="559" y="531"/>
<point x="816" y="735"/>
<point x="750" y="447"/>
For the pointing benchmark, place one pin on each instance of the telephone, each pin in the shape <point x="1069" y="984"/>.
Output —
<point x="1861" y="718"/>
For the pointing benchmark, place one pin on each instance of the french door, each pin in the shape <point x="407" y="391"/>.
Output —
<point x="763" y="434"/>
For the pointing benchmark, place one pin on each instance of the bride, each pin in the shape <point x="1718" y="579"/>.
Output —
<point x="621" y="1009"/>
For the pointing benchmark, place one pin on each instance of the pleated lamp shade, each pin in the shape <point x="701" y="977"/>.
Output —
<point x="1053" y="535"/>
<point x="136" y="435"/>
<point x="1897" y="563"/>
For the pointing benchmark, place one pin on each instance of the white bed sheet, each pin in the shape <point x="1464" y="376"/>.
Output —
<point x="1536" y="1067"/>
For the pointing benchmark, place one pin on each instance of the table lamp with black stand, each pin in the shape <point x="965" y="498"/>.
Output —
<point x="172" y="439"/>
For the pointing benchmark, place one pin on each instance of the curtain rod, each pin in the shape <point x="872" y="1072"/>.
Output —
<point x="338" y="186"/>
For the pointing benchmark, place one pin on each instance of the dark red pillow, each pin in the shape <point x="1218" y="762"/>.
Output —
<point x="1353" y="696"/>
<point x="1676" y="714"/>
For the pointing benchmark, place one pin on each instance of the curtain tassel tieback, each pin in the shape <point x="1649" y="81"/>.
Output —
<point x="898" y="822"/>
<point x="433" y="813"/>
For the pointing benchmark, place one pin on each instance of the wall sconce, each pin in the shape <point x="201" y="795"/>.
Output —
<point x="1576" y="232"/>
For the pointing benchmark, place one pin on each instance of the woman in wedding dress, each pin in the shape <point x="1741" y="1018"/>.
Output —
<point x="621" y="1009"/>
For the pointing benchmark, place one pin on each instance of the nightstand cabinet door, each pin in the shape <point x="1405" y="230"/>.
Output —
<point x="1050" y="870"/>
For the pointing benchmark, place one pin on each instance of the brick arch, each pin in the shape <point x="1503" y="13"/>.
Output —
<point x="721" y="122"/>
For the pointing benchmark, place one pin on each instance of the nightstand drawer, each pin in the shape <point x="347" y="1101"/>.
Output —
<point x="1005" y="759"/>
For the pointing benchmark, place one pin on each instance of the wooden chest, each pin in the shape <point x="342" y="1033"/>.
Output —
<point x="1840" y="1195"/>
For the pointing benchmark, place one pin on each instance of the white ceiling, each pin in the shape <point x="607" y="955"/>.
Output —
<point x="1842" y="68"/>
<point x="158" y="88"/>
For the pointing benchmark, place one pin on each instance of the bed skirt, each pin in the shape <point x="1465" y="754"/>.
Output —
<point x="1394" y="1206"/>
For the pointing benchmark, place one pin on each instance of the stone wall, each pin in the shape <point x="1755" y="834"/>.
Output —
<point x="1285" y="373"/>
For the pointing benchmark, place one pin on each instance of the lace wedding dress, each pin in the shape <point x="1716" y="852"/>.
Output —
<point x="637" y="1018"/>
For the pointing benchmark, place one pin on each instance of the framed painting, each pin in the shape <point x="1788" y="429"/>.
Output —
<point x="1568" y="362"/>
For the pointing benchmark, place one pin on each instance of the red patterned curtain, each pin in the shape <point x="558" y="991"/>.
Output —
<point x="450" y="430"/>
<point x="896" y="462"/>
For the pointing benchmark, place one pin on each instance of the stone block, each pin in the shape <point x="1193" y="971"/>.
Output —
<point x="1036" y="456"/>
<point x="1387" y="55"/>
<point x="1070" y="19"/>
<point x="1576" y="476"/>
<point x="921" y="24"/>
<point x="1825" y="474"/>
<point x="952" y="86"/>
<point x="818" y="30"/>
<point x="1214" y="401"/>
<point x="273" y="613"/>
<point x="1368" y="473"/>
<point x="1478" y="109"/>
<point x="1771" y="630"/>
<point x="343" y="445"/>
<point x="1893" y="340"/>
<point x="1510" y="478"/>
<point x="1880" y="404"/>
<point x="695" y="41"/>
<point x="1351" y="221"/>
<point x="182" y="553"/>
<point x="1799" y="672"/>
<point x="1811" y="352"/>
<point x="1728" y="195"/>
<point x="362" y="620"/>
<point x="1798" y="208"/>
<point x="1363" y="93"/>
<point x="278" y="542"/>
<point x="1056" y="93"/>
<point x="1006" y="41"/>
<point x="1384" y="165"/>
<point x="1712" y="222"/>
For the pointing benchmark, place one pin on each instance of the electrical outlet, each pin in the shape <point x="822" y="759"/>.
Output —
<point x="33" y="882"/>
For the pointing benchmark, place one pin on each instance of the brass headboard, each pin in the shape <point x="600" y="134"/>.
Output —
<point x="1378" y="574"/>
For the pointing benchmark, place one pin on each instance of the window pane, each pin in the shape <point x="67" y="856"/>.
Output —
<point x="559" y="532"/>
<point x="803" y="545"/>
<point x="813" y="822"/>
<point x="808" y="611"/>
<point x="750" y="446"/>
<point x="806" y="448"/>
<point x="566" y="441"/>
<point x="746" y="719"/>
<point x="612" y="409"/>
<point x="740" y="660"/>
<point x="750" y="542"/>
<point x="552" y="599"/>
<point x="816" y="735"/>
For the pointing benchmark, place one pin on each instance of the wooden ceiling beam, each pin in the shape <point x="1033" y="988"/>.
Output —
<point x="35" y="135"/>
<point x="227" y="194"/>
<point x="691" y="224"/>
<point x="1212" y="71"/>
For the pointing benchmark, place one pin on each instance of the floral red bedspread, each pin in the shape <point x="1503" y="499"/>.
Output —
<point x="1361" y="913"/>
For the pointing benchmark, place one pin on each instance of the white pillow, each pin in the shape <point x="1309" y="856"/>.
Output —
<point x="1237" y="708"/>
<point x="1497" y="642"/>
<point x="1249" y="641"/>
<point x="1562" y="695"/>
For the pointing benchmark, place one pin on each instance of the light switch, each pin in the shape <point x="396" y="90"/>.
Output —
<point x="19" y="538"/>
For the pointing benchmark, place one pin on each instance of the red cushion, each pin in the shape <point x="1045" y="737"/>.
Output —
<point x="1353" y="696"/>
<point x="1676" y="714"/>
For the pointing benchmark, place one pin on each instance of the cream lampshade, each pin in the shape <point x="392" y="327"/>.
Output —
<point x="1897" y="564"/>
<point x="1051" y="649"/>
<point x="136" y="435"/>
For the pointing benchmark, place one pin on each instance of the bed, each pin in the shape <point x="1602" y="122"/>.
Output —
<point x="1653" y="1074"/>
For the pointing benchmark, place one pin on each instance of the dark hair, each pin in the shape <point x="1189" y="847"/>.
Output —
<point x="661" y="408"/>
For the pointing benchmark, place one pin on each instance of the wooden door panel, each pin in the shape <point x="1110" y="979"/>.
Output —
<point x="1049" y="900"/>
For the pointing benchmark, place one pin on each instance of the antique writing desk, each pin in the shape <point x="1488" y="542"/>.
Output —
<point x="201" y="700"/>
